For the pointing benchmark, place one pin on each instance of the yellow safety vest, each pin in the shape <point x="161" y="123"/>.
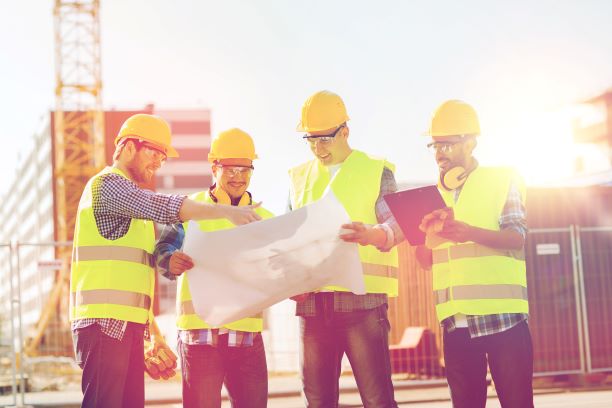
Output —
<point x="110" y="278"/>
<point x="474" y="279"/>
<point x="187" y="319"/>
<point x="357" y="187"/>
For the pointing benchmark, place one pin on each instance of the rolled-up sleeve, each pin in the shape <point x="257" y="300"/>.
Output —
<point x="116" y="195"/>
<point x="170" y="240"/>
<point x="514" y="214"/>
<point x="386" y="220"/>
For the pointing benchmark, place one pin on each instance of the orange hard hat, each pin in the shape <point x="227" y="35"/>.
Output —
<point x="232" y="144"/>
<point x="322" y="110"/>
<point x="150" y="128"/>
<point x="453" y="118"/>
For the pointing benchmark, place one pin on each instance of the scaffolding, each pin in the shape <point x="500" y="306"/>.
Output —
<point x="78" y="124"/>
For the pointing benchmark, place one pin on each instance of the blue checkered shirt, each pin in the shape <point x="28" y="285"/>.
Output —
<point x="115" y="202"/>
<point x="170" y="240"/>
<point x="513" y="217"/>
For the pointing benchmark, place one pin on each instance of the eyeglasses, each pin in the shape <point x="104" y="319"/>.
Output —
<point x="322" y="139"/>
<point x="443" y="147"/>
<point x="152" y="151"/>
<point x="233" y="171"/>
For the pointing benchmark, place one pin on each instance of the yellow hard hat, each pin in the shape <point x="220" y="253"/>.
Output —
<point x="323" y="110"/>
<point x="232" y="144"/>
<point x="452" y="118"/>
<point x="150" y="128"/>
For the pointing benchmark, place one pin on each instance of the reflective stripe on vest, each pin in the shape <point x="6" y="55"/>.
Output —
<point x="357" y="186"/>
<point x="471" y="292"/>
<point x="187" y="319"/>
<point x="186" y="308"/>
<point x="110" y="296"/>
<point x="473" y="279"/>
<point x="110" y="278"/>
<point x="113" y="253"/>
<point x="470" y="250"/>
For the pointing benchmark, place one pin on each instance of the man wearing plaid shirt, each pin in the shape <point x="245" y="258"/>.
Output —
<point x="111" y="282"/>
<point x="479" y="279"/>
<point x="234" y="354"/>
<point x="333" y="321"/>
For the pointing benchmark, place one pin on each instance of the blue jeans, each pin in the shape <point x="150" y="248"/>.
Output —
<point x="242" y="369"/>
<point x="113" y="370"/>
<point x="509" y="355"/>
<point x="364" y="337"/>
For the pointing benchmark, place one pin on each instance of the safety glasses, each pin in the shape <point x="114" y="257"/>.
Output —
<point x="322" y="139"/>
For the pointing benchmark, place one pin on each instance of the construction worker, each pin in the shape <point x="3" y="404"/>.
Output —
<point x="333" y="320"/>
<point x="111" y="282"/>
<point x="476" y="246"/>
<point x="479" y="278"/>
<point x="234" y="354"/>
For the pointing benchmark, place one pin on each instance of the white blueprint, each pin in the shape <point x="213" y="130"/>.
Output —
<point x="241" y="271"/>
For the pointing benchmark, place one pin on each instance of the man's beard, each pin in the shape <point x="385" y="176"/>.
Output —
<point x="138" y="175"/>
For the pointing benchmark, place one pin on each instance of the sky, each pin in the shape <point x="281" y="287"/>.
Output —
<point x="521" y="64"/>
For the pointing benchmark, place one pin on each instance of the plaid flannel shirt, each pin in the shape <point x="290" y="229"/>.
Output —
<point x="347" y="301"/>
<point x="115" y="202"/>
<point x="170" y="240"/>
<point x="513" y="217"/>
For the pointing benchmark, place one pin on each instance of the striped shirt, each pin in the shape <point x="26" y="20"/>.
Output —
<point x="513" y="217"/>
<point x="347" y="301"/>
<point x="115" y="202"/>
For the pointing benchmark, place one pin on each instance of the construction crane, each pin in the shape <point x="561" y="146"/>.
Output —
<point x="78" y="134"/>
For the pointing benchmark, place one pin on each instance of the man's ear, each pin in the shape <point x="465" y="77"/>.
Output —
<point x="345" y="132"/>
<point x="471" y="144"/>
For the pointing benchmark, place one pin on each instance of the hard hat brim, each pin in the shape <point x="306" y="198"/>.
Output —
<point x="301" y="128"/>
<point x="172" y="152"/>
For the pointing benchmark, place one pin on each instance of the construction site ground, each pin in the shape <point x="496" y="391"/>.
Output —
<point x="284" y="391"/>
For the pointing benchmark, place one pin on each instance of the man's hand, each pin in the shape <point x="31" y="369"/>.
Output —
<point x="160" y="360"/>
<point x="456" y="231"/>
<point x="432" y="224"/>
<point x="424" y="256"/>
<point x="363" y="234"/>
<point x="434" y="221"/>
<point x="240" y="215"/>
<point x="179" y="263"/>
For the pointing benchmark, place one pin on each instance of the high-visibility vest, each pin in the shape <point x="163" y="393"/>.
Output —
<point x="187" y="319"/>
<point x="110" y="278"/>
<point x="474" y="279"/>
<point x="357" y="187"/>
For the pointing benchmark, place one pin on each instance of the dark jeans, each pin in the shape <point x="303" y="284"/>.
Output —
<point x="206" y="368"/>
<point x="510" y="358"/>
<point x="113" y="370"/>
<point x="364" y="337"/>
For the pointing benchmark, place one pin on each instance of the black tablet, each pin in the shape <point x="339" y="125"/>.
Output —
<point x="410" y="206"/>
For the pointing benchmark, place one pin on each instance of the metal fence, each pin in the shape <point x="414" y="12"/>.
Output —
<point x="569" y="272"/>
<point x="28" y="278"/>
<point x="594" y="266"/>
